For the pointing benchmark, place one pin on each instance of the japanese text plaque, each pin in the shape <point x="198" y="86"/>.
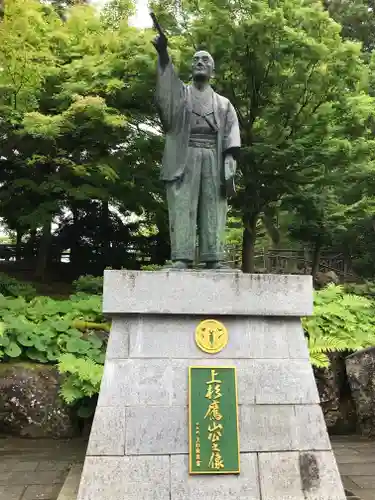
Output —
<point x="213" y="420"/>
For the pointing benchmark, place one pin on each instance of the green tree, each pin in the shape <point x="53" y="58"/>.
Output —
<point x="77" y="143"/>
<point x="357" y="18"/>
<point x="27" y="37"/>
<point x="299" y="90"/>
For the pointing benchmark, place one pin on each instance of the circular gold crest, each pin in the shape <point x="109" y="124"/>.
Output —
<point x="211" y="336"/>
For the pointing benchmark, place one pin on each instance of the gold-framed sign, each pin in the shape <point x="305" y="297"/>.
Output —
<point x="211" y="336"/>
<point x="213" y="420"/>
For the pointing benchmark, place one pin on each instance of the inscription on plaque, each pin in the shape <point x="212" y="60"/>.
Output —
<point x="213" y="420"/>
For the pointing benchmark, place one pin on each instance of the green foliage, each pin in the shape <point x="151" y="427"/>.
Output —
<point x="74" y="87"/>
<point x="357" y="19"/>
<point x="89" y="284"/>
<point x="26" y="39"/>
<point x="68" y="332"/>
<point x="44" y="329"/>
<point x="11" y="287"/>
<point x="81" y="382"/>
<point x="341" y="322"/>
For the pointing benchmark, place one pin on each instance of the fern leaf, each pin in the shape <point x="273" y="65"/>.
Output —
<point x="319" y="360"/>
<point x="355" y="301"/>
<point x="326" y="344"/>
<point x="69" y="392"/>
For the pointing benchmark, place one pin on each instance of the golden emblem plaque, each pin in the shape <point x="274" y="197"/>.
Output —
<point x="211" y="336"/>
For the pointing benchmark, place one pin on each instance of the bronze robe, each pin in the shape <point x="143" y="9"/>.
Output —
<point x="194" y="176"/>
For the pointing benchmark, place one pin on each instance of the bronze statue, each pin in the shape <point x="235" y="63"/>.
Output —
<point x="199" y="163"/>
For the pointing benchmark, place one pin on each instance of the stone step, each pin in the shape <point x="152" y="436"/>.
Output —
<point x="69" y="490"/>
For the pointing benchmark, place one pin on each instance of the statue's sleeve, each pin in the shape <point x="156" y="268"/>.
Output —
<point x="232" y="138"/>
<point x="170" y="93"/>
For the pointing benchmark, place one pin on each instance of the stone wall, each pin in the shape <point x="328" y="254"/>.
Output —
<point x="360" y="370"/>
<point x="347" y="392"/>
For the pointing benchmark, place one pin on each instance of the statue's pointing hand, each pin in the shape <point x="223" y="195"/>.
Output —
<point x="160" y="42"/>
<point x="230" y="165"/>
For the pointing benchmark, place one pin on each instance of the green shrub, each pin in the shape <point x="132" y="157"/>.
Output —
<point x="340" y="322"/>
<point x="89" y="284"/>
<point x="71" y="333"/>
<point x="11" y="287"/>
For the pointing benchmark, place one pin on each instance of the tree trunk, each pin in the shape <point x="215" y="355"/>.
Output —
<point x="248" y="244"/>
<point x="44" y="250"/>
<point x="19" y="235"/>
<point x="316" y="258"/>
<point x="29" y="251"/>
<point x="105" y="235"/>
<point x="75" y="241"/>
<point x="272" y="230"/>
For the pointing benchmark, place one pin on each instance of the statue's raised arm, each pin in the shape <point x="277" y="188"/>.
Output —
<point x="160" y="42"/>
<point x="170" y="90"/>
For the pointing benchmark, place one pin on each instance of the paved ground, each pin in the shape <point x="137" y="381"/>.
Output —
<point x="36" y="469"/>
<point x="356" y="461"/>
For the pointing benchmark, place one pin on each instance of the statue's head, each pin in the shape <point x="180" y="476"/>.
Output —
<point x="202" y="66"/>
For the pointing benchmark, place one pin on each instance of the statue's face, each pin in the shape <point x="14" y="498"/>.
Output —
<point x="202" y="66"/>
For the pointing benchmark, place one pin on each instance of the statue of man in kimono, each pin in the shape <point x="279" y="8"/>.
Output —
<point x="199" y="163"/>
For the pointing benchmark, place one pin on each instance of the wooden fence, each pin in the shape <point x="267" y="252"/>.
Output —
<point x="292" y="261"/>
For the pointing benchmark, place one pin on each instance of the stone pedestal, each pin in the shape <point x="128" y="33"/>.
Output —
<point x="138" y="447"/>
